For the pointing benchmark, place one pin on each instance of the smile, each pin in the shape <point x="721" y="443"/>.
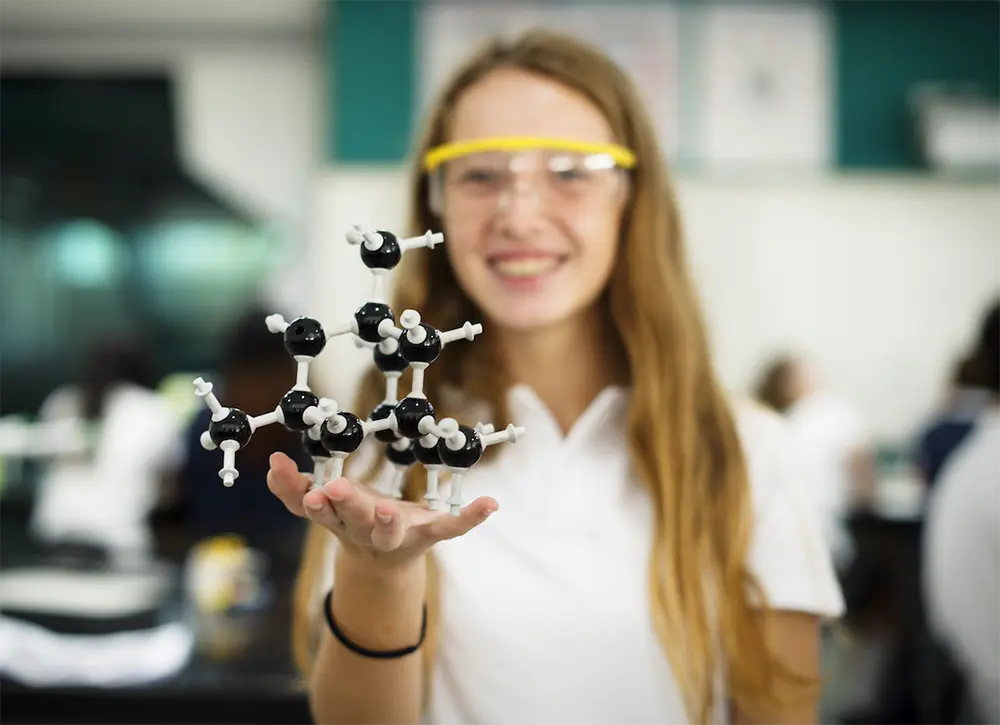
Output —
<point x="525" y="266"/>
<point x="526" y="271"/>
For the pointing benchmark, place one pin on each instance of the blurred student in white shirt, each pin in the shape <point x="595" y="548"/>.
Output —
<point x="832" y="442"/>
<point x="104" y="497"/>
<point x="962" y="545"/>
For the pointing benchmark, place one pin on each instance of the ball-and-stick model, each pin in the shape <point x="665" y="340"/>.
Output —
<point x="461" y="447"/>
<point x="407" y="427"/>
<point x="230" y="429"/>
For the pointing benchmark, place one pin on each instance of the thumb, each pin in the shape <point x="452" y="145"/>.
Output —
<point x="449" y="527"/>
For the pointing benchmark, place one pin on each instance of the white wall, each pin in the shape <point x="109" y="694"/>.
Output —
<point x="338" y="282"/>
<point x="249" y="124"/>
<point x="879" y="279"/>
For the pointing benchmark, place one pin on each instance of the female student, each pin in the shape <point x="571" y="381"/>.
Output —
<point x="652" y="561"/>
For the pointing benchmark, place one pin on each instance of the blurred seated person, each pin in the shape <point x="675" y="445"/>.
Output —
<point x="968" y="397"/>
<point x="104" y="496"/>
<point x="256" y="372"/>
<point x="962" y="545"/>
<point x="832" y="442"/>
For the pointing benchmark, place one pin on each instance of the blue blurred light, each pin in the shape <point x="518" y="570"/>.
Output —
<point x="87" y="253"/>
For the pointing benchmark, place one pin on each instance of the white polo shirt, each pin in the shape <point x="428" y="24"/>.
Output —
<point x="962" y="561"/>
<point x="545" y="608"/>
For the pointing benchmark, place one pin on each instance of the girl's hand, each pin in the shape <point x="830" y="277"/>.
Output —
<point x="385" y="532"/>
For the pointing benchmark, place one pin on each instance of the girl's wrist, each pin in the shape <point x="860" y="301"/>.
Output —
<point x="363" y="571"/>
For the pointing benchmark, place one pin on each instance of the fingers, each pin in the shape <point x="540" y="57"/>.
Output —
<point x="387" y="534"/>
<point x="356" y="514"/>
<point x="448" y="527"/>
<point x="354" y="506"/>
<point x="353" y="513"/>
<point x="318" y="508"/>
<point x="287" y="483"/>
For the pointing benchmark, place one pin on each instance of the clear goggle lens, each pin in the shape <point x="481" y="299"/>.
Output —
<point x="559" y="178"/>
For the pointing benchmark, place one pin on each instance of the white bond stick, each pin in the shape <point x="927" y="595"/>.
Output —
<point x="509" y="435"/>
<point x="429" y="240"/>
<point x="468" y="331"/>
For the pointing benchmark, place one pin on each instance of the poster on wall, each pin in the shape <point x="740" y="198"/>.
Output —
<point x="764" y="85"/>
<point x="643" y="39"/>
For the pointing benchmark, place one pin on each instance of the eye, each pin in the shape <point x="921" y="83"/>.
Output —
<point x="568" y="170"/>
<point x="572" y="175"/>
<point x="480" y="177"/>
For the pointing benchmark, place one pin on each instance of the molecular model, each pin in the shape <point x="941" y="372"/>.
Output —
<point x="408" y="428"/>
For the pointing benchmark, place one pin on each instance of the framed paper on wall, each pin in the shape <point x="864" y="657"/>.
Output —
<point x="763" y="86"/>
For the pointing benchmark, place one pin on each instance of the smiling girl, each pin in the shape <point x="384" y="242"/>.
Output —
<point x="652" y="560"/>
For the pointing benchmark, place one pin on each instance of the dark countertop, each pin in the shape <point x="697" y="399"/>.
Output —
<point x="241" y="669"/>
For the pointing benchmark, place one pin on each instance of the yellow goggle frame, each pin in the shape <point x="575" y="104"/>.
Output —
<point x="622" y="156"/>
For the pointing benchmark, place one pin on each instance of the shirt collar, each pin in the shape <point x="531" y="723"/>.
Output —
<point x="603" y="417"/>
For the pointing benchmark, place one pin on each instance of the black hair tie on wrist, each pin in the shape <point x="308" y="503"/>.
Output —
<point x="364" y="652"/>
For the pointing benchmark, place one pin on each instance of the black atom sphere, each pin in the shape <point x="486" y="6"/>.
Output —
<point x="304" y="337"/>
<point x="465" y="457"/>
<point x="348" y="440"/>
<point x="368" y="317"/>
<point x="409" y="412"/>
<point x="313" y="447"/>
<point x="429" y="456"/>
<point x="390" y="363"/>
<point x="386" y="256"/>
<point x="403" y="457"/>
<point x="421" y="352"/>
<point x="293" y="404"/>
<point x="234" y="427"/>
<point x="381" y="412"/>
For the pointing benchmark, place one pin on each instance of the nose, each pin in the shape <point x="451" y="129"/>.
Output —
<point x="519" y="208"/>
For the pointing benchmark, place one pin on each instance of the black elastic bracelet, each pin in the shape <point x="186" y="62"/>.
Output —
<point x="358" y="649"/>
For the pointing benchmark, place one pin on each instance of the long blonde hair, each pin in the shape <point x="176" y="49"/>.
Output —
<point x="681" y="433"/>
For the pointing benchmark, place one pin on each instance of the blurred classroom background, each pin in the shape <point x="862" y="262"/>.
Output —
<point x="173" y="171"/>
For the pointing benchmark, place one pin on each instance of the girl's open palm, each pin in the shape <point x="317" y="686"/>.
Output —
<point x="386" y="531"/>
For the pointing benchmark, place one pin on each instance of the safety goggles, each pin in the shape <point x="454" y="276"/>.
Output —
<point x="561" y="175"/>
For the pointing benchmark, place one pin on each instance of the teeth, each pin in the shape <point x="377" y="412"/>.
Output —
<point x="524" y="267"/>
